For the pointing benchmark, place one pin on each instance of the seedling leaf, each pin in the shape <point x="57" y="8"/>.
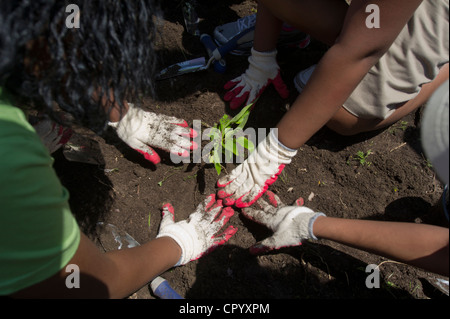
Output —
<point x="224" y="137"/>
<point x="245" y="143"/>
<point x="241" y="116"/>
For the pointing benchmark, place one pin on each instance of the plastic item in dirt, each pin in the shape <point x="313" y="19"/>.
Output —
<point x="112" y="238"/>
<point x="163" y="290"/>
<point x="442" y="284"/>
<point x="191" y="19"/>
<point x="219" y="63"/>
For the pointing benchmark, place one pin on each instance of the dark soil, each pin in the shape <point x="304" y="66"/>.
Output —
<point x="397" y="185"/>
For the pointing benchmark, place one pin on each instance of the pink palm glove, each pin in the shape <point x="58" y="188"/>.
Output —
<point x="199" y="234"/>
<point x="143" y="130"/>
<point x="247" y="182"/>
<point x="291" y="224"/>
<point x="52" y="134"/>
<point x="262" y="72"/>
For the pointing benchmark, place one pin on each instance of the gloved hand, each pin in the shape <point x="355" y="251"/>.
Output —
<point x="291" y="224"/>
<point x="143" y="130"/>
<point x="247" y="182"/>
<point x="52" y="134"/>
<point x="199" y="234"/>
<point x="262" y="72"/>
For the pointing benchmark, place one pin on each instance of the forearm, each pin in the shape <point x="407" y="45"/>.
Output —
<point x="114" y="274"/>
<point x="134" y="268"/>
<point x="354" y="52"/>
<point x="420" y="245"/>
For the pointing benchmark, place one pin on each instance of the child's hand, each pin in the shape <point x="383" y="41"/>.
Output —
<point x="262" y="72"/>
<point x="291" y="224"/>
<point x="141" y="130"/>
<point x="199" y="234"/>
<point x="247" y="182"/>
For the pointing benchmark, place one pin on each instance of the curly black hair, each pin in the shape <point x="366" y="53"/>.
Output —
<point x="111" y="55"/>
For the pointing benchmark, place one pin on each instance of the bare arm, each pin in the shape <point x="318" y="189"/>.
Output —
<point x="341" y="69"/>
<point x="117" y="274"/>
<point x="420" y="245"/>
<point x="114" y="274"/>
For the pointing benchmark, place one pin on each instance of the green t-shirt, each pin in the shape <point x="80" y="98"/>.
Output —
<point x="38" y="233"/>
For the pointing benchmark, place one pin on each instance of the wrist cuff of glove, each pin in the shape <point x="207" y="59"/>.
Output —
<point x="271" y="151"/>
<point x="263" y="66"/>
<point x="275" y="138"/>
<point x="306" y="220"/>
<point x="264" y="55"/>
<point x="311" y="224"/>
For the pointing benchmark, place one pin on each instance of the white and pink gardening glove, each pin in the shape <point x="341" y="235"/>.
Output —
<point x="291" y="224"/>
<point x="200" y="233"/>
<point x="52" y="134"/>
<point x="142" y="130"/>
<point x="262" y="72"/>
<point x="247" y="182"/>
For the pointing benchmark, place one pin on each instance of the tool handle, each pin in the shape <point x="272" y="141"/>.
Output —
<point x="232" y="44"/>
<point x="219" y="64"/>
<point x="163" y="290"/>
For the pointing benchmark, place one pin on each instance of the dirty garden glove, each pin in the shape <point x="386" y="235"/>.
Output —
<point x="291" y="224"/>
<point x="262" y="72"/>
<point x="247" y="182"/>
<point x="52" y="134"/>
<point x="143" y="130"/>
<point x="199" y="234"/>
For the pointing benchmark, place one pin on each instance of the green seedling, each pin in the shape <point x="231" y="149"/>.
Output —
<point x="403" y="125"/>
<point x="190" y="177"/>
<point x="111" y="170"/>
<point x="284" y="177"/>
<point x="361" y="157"/>
<point x="165" y="178"/>
<point x="390" y="283"/>
<point x="322" y="183"/>
<point x="225" y="138"/>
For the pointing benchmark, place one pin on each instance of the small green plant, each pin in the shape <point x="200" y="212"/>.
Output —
<point x="361" y="157"/>
<point x="284" y="177"/>
<point x="165" y="178"/>
<point x="403" y="125"/>
<point x="224" y="136"/>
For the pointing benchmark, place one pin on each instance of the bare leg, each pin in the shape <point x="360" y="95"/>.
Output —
<point x="322" y="19"/>
<point x="267" y="28"/>
<point x="347" y="124"/>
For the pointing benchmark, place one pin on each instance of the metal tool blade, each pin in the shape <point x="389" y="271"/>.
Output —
<point x="190" y="66"/>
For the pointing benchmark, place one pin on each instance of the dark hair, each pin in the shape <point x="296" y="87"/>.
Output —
<point x="44" y="61"/>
